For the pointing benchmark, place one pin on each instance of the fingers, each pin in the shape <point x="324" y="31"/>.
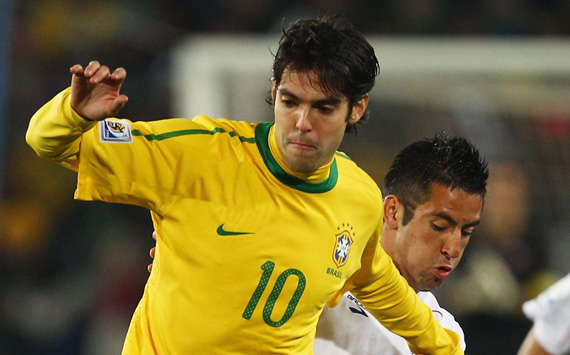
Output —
<point x="77" y="69"/>
<point x="151" y="253"/>
<point x="97" y="73"/>
<point x="91" y="68"/>
<point x="119" y="103"/>
<point x="119" y="75"/>
<point x="102" y="73"/>
<point x="153" y="249"/>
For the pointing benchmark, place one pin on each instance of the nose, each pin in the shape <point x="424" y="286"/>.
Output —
<point x="303" y="122"/>
<point x="452" y="245"/>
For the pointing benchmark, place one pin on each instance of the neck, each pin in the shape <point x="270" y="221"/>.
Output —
<point x="388" y="245"/>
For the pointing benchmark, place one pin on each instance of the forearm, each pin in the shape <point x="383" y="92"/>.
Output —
<point x="55" y="129"/>
<point x="531" y="346"/>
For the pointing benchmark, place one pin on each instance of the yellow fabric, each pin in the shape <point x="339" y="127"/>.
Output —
<point x="317" y="176"/>
<point x="379" y="287"/>
<point x="206" y="180"/>
<point x="61" y="143"/>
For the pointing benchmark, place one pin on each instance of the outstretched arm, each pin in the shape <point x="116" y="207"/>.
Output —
<point x="55" y="129"/>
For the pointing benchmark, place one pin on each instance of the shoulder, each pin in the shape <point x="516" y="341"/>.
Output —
<point x="224" y="125"/>
<point x="199" y="126"/>
<point x="200" y="123"/>
<point x="355" y="177"/>
<point x="444" y="317"/>
<point x="428" y="298"/>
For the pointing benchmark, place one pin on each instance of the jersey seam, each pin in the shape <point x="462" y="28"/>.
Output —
<point x="261" y="137"/>
<point x="184" y="132"/>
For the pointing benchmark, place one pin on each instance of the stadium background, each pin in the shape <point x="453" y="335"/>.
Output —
<point x="73" y="271"/>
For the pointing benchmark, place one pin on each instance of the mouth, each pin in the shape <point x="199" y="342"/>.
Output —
<point x="302" y="146"/>
<point x="443" y="271"/>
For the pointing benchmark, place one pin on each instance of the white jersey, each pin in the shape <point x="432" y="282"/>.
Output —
<point x="550" y="312"/>
<point x="352" y="328"/>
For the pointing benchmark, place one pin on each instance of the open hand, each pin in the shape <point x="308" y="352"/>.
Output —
<point x="95" y="91"/>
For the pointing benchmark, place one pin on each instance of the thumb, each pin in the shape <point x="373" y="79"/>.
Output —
<point x="118" y="104"/>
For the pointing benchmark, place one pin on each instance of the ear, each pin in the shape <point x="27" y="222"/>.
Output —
<point x="393" y="212"/>
<point x="358" y="109"/>
<point x="273" y="91"/>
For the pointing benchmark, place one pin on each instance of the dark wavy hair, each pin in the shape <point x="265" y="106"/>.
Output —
<point x="330" y="46"/>
<point x="452" y="162"/>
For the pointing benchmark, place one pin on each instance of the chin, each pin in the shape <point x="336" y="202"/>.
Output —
<point x="302" y="162"/>
<point x="428" y="286"/>
<point x="436" y="283"/>
<point x="302" y="167"/>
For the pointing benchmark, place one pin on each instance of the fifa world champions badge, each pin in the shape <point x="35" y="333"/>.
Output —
<point x="343" y="242"/>
<point x="115" y="131"/>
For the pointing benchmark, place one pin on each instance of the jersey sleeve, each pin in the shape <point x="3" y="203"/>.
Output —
<point x="550" y="312"/>
<point x="444" y="317"/>
<point x="146" y="164"/>
<point x="55" y="131"/>
<point x="387" y="296"/>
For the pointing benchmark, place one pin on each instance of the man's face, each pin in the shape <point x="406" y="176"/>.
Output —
<point x="309" y="123"/>
<point x="429" y="247"/>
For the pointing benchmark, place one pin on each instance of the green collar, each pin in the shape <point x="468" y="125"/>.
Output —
<point x="261" y="138"/>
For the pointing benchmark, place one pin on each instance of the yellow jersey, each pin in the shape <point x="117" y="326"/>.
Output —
<point x="248" y="252"/>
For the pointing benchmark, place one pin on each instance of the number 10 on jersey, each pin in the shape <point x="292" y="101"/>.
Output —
<point x="267" y="268"/>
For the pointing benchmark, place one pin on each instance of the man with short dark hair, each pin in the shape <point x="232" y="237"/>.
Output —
<point x="435" y="191"/>
<point x="259" y="225"/>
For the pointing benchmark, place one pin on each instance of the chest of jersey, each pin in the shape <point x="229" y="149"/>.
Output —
<point x="243" y="249"/>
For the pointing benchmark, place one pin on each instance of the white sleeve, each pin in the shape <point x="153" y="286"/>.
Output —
<point x="323" y="346"/>
<point x="446" y="319"/>
<point x="550" y="312"/>
<point x="353" y="329"/>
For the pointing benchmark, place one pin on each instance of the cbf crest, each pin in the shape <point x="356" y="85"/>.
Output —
<point x="343" y="243"/>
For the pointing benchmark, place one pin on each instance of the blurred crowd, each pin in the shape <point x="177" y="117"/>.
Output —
<point x="74" y="271"/>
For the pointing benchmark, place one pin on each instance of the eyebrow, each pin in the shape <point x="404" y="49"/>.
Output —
<point x="331" y="100"/>
<point x="449" y="219"/>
